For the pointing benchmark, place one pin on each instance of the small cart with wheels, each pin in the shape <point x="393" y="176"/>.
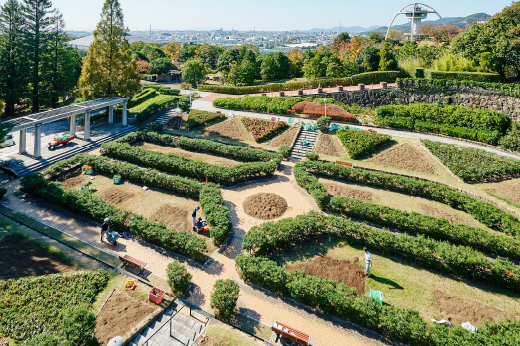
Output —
<point x="60" y="140"/>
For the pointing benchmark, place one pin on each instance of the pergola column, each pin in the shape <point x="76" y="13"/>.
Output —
<point x="38" y="141"/>
<point x="125" y="118"/>
<point x="22" y="144"/>
<point x="72" y="129"/>
<point x="86" y="132"/>
<point x="110" y="114"/>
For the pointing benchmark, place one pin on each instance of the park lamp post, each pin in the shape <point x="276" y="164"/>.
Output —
<point x="190" y="97"/>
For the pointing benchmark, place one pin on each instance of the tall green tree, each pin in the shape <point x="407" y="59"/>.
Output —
<point x="194" y="71"/>
<point x="109" y="69"/>
<point x="387" y="60"/>
<point x="13" y="69"/>
<point x="39" y="17"/>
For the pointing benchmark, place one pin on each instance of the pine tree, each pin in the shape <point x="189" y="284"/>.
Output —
<point x="39" y="17"/>
<point x="13" y="69"/>
<point x="109" y="69"/>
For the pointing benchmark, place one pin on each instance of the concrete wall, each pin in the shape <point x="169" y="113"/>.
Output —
<point x="380" y="97"/>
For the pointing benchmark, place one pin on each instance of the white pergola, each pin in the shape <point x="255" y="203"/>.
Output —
<point x="36" y="120"/>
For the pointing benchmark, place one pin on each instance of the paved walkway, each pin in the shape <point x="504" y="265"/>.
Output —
<point x="255" y="302"/>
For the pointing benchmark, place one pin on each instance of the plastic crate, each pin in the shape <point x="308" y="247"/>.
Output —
<point x="117" y="179"/>
<point x="154" y="298"/>
<point x="89" y="170"/>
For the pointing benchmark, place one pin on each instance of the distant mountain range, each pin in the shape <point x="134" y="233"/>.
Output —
<point x="348" y="29"/>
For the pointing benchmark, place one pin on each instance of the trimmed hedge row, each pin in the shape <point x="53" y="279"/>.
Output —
<point x="141" y="97"/>
<point x="459" y="75"/>
<point x="440" y="229"/>
<point x="84" y="203"/>
<point x="198" y="118"/>
<point x="163" y="90"/>
<point x="486" y="213"/>
<point x="375" y="77"/>
<point x="461" y="261"/>
<point x="442" y="85"/>
<point x="276" y="105"/>
<point x="358" y="143"/>
<point x="153" y="105"/>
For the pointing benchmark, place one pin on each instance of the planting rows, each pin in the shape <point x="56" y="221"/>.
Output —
<point x="262" y="130"/>
<point x="358" y="143"/>
<point x="474" y="165"/>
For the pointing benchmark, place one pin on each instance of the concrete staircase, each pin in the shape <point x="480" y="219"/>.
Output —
<point x="166" y="116"/>
<point x="170" y="329"/>
<point x="299" y="148"/>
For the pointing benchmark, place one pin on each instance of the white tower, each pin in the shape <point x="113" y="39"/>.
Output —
<point x="416" y="14"/>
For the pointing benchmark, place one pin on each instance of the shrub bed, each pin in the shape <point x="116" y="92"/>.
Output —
<point x="153" y="105"/>
<point x="486" y="213"/>
<point x="511" y="140"/>
<point x="224" y="298"/>
<point x="474" y="165"/>
<point x="276" y="105"/>
<point x="141" y="97"/>
<point x="35" y="304"/>
<point x="199" y="118"/>
<point x="358" y="143"/>
<point x="262" y="130"/>
<point x="178" y="278"/>
<point x="466" y="76"/>
<point x="163" y="90"/>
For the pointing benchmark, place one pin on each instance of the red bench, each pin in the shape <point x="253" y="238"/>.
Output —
<point x="343" y="163"/>
<point x="133" y="262"/>
<point x="291" y="333"/>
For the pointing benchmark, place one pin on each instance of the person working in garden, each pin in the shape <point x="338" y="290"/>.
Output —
<point x="194" y="217"/>
<point x="368" y="261"/>
<point x="105" y="227"/>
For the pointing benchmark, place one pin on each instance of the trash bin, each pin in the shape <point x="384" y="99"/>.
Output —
<point x="117" y="179"/>
<point x="377" y="296"/>
<point x="89" y="170"/>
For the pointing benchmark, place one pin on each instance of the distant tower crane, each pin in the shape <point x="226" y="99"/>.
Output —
<point x="416" y="14"/>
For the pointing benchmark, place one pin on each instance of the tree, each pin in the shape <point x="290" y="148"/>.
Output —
<point x="395" y="34"/>
<point x="387" y="60"/>
<point x="143" y="66"/>
<point x="172" y="49"/>
<point x="234" y="76"/>
<point x="316" y="67"/>
<point x="161" y="66"/>
<point x="368" y="59"/>
<point x="13" y="69"/>
<point x="295" y="63"/>
<point x="137" y="46"/>
<point x="376" y="36"/>
<point x="248" y="69"/>
<point x="109" y="69"/>
<point x="194" y="72"/>
<point x="225" y="60"/>
<point x="153" y="53"/>
<point x="335" y="67"/>
<point x="39" y="18"/>
<point x="268" y="68"/>
<point x="342" y="37"/>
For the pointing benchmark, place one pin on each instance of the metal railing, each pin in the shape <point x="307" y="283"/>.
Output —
<point x="168" y="322"/>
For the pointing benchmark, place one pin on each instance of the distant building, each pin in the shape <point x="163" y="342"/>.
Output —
<point x="85" y="42"/>
<point x="415" y="14"/>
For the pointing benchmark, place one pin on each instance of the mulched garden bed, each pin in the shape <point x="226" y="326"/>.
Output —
<point x="265" y="206"/>
<point x="228" y="129"/>
<point x="174" y="123"/>
<point x="406" y="157"/>
<point x="326" y="146"/>
<point x="342" y="191"/>
<point x="285" y="138"/>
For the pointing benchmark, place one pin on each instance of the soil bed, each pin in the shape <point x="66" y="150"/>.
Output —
<point x="434" y="211"/>
<point x="406" y="157"/>
<point x="209" y="341"/>
<point x="265" y="206"/>
<point x="325" y="146"/>
<point x="21" y="258"/>
<point x="351" y="274"/>
<point x="509" y="189"/>
<point x="285" y="138"/>
<point x="458" y="310"/>
<point x="174" y="123"/>
<point x="119" y="315"/>
<point x="343" y="191"/>
<point x="227" y="129"/>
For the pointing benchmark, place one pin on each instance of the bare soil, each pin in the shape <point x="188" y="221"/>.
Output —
<point x="119" y="315"/>
<point x="286" y="138"/>
<point x="117" y="196"/>
<point x="173" y="217"/>
<point x="458" y="310"/>
<point x="21" y="258"/>
<point x="72" y="179"/>
<point x="435" y="211"/>
<point x="406" y="157"/>
<point x="350" y="274"/>
<point x="209" y="341"/>
<point x="343" y="191"/>
<point x="265" y="206"/>
<point x="227" y="129"/>
<point x="175" y="122"/>
<point x="509" y="189"/>
<point x="326" y="146"/>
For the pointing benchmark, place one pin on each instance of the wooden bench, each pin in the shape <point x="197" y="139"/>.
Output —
<point x="343" y="163"/>
<point x="257" y="148"/>
<point x="291" y="333"/>
<point x="133" y="262"/>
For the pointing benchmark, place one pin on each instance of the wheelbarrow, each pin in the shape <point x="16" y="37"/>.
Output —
<point x="112" y="236"/>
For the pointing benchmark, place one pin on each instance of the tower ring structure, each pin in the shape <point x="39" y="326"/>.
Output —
<point x="416" y="14"/>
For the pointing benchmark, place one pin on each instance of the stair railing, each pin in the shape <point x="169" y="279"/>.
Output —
<point x="168" y="322"/>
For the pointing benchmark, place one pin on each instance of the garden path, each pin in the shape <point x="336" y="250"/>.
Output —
<point x="253" y="301"/>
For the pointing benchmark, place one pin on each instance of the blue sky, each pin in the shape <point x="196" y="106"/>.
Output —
<point x="264" y="15"/>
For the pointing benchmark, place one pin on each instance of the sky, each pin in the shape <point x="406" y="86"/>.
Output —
<point x="262" y="15"/>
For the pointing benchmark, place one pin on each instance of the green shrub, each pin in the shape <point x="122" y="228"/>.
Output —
<point x="198" y="118"/>
<point x="466" y="76"/>
<point x="285" y="151"/>
<point x="375" y="77"/>
<point x="275" y="105"/>
<point x="511" y="140"/>
<point x="312" y="156"/>
<point x="185" y="86"/>
<point x="358" y="143"/>
<point x="163" y="90"/>
<point x="474" y="165"/>
<point x="155" y="126"/>
<point x="178" y="278"/>
<point x="224" y="298"/>
<point x="443" y="85"/>
<point x="153" y="105"/>
<point x="184" y="103"/>
<point x="78" y="324"/>
<point x="216" y="213"/>
<point x="324" y="124"/>
<point x="149" y="77"/>
<point x="141" y="97"/>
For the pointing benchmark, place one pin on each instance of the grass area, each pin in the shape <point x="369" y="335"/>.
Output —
<point x="503" y="199"/>
<point x="403" y="284"/>
<point x="229" y="336"/>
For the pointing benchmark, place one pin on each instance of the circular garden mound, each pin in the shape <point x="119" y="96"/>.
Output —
<point x="265" y="206"/>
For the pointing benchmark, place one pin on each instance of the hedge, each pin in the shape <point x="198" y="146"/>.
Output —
<point x="198" y="118"/>
<point x="224" y="298"/>
<point x="474" y="165"/>
<point x="443" y="85"/>
<point x="153" y="105"/>
<point x="276" y="105"/>
<point x="375" y="77"/>
<point x="485" y="212"/>
<point x="358" y="143"/>
<point x="141" y="97"/>
<point x="436" y="228"/>
<point x="163" y="90"/>
<point x="459" y="75"/>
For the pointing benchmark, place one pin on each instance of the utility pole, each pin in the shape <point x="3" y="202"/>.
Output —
<point x="340" y="26"/>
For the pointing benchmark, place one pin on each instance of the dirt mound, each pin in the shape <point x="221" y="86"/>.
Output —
<point x="441" y="213"/>
<point x="173" y="217"/>
<point x="406" y="157"/>
<point x="120" y="314"/>
<point x="509" y="189"/>
<point x="351" y="274"/>
<point x="209" y="341"/>
<point x="458" y="310"/>
<point x="116" y="196"/>
<point x="21" y="258"/>
<point x="265" y="206"/>
<point x="286" y="138"/>
<point x="326" y="146"/>
<point x="316" y="109"/>
<point x="228" y="129"/>
<point x="343" y="191"/>
<point x="72" y="179"/>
